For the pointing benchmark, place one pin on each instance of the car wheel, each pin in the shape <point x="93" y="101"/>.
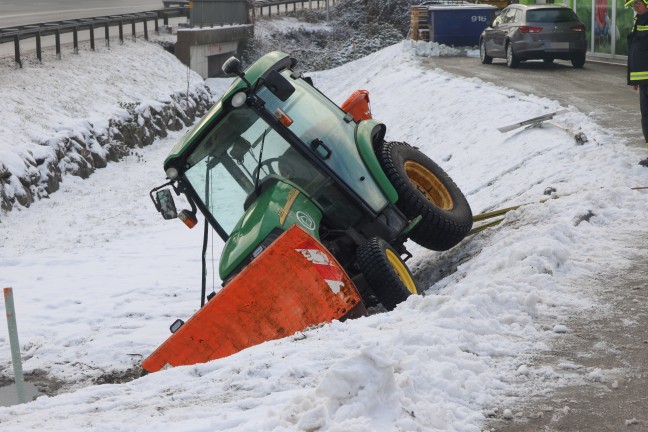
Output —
<point x="385" y="272"/>
<point x="511" y="60"/>
<point x="548" y="60"/>
<point x="578" y="61"/>
<point x="425" y="190"/>
<point x="485" y="58"/>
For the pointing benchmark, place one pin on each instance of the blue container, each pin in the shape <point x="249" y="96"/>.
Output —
<point x="459" y="25"/>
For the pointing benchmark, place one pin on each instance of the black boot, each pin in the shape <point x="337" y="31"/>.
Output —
<point x="644" y="162"/>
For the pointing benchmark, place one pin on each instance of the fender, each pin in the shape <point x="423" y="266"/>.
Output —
<point x="368" y="133"/>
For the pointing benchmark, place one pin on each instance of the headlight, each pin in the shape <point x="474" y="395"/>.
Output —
<point x="238" y="99"/>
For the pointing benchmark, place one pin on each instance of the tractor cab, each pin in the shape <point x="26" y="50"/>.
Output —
<point x="275" y="152"/>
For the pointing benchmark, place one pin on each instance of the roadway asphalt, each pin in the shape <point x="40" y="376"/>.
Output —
<point x="24" y="12"/>
<point x="599" y="89"/>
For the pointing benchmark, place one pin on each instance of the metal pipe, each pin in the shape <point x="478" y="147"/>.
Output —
<point x="17" y="50"/>
<point x="39" y="53"/>
<point x="57" y="38"/>
<point x="15" y="346"/>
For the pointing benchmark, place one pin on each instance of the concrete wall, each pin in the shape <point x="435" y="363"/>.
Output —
<point x="218" y="12"/>
<point x="205" y="50"/>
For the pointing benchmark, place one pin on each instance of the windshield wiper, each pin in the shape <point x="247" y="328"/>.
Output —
<point x="258" y="169"/>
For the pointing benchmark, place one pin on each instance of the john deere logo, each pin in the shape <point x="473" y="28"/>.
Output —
<point x="306" y="220"/>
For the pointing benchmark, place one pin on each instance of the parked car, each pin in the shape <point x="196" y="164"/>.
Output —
<point x="534" y="32"/>
<point x="446" y="3"/>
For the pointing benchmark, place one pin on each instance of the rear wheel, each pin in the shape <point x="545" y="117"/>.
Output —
<point x="385" y="272"/>
<point x="578" y="61"/>
<point x="485" y="58"/>
<point x="511" y="60"/>
<point x="425" y="189"/>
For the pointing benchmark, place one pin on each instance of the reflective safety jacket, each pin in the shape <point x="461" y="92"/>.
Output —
<point x="638" y="51"/>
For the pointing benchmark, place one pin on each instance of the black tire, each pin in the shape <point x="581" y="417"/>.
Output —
<point x="485" y="58"/>
<point x="578" y="61"/>
<point x="385" y="272"/>
<point x="511" y="59"/>
<point x="425" y="189"/>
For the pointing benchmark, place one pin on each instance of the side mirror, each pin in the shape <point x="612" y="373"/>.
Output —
<point x="232" y="66"/>
<point x="165" y="204"/>
<point x="278" y="85"/>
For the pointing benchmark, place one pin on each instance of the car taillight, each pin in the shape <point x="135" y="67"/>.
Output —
<point x="527" y="29"/>
<point x="578" y="28"/>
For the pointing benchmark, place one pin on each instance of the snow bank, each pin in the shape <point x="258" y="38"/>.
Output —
<point x="59" y="118"/>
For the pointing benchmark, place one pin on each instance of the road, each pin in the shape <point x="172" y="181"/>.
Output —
<point x="599" y="89"/>
<point x="595" y="342"/>
<point x="24" y="12"/>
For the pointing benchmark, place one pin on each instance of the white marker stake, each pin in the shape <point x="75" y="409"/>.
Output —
<point x="15" y="346"/>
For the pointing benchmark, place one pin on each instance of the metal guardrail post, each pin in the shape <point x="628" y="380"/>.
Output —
<point x="15" y="345"/>
<point x="17" y="50"/>
<point x="107" y="35"/>
<point x="57" y="37"/>
<point x="121" y="32"/>
<point x="92" y="38"/>
<point x="133" y="29"/>
<point x="75" y="39"/>
<point x="145" y="29"/>
<point x="39" y="53"/>
<point x="157" y="27"/>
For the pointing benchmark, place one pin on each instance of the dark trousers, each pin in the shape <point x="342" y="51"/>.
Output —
<point x="643" y="105"/>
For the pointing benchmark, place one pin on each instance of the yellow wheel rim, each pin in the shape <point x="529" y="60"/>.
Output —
<point x="429" y="185"/>
<point x="401" y="271"/>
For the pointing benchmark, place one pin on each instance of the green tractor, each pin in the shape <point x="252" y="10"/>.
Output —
<point x="275" y="154"/>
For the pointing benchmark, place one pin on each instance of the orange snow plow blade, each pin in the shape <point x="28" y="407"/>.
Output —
<point x="295" y="283"/>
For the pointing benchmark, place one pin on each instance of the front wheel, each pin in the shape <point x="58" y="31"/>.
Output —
<point x="385" y="272"/>
<point x="511" y="60"/>
<point x="485" y="58"/>
<point x="425" y="189"/>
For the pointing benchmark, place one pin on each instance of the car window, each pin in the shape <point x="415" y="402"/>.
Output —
<point x="518" y="16"/>
<point x="551" y="15"/>
<point x="499" y="18"/>
<point x="509" y="16"/>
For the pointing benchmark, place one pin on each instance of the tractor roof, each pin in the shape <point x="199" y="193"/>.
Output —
<point x="274" y="60"/>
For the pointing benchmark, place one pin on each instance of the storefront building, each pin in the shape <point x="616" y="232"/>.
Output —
<point x="608" y="23"/>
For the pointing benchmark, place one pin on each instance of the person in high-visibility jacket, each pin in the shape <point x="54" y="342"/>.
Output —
<point x="638" y="62"/>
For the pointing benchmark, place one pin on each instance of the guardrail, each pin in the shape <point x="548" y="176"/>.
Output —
<point x="57" y="28"/>
<point x="268" y="4"/>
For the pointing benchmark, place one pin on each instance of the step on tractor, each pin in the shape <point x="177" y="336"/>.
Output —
<point x="314" y="207"/>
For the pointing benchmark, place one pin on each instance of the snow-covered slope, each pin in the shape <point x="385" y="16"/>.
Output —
<point x="98" y="277"/>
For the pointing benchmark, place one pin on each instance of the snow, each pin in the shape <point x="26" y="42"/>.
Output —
<point x="98" y="276"/>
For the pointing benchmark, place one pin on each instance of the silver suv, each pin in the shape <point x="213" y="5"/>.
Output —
<point x="534" y="32"/>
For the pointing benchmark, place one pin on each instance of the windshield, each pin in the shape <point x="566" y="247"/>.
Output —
<point x="224" y="168"/>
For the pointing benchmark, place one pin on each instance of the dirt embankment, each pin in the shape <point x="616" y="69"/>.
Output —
<point x="83" y="151"/>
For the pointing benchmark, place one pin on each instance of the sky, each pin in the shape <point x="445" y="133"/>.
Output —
<point x="98" y="276"/>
